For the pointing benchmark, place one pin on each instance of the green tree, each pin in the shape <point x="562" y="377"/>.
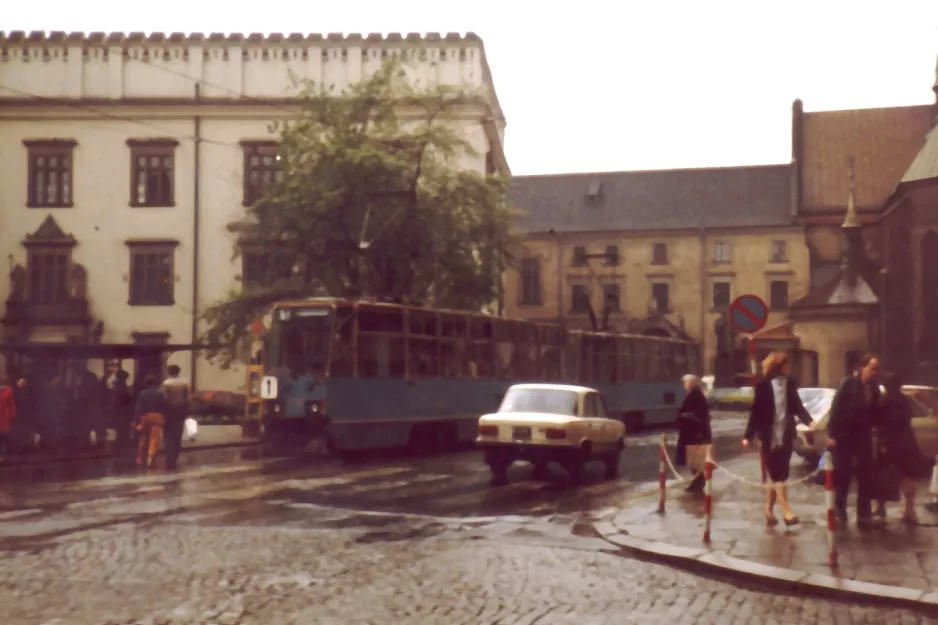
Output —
<point x="373" y="199"/>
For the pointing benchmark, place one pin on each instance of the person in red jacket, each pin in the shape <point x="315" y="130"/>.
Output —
<point x="7" y="412"/>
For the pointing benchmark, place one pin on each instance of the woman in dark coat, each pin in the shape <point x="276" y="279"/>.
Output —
<point x="775" y="407"/>
<point x="898" y="449"/>
<point x="694" y="426"/>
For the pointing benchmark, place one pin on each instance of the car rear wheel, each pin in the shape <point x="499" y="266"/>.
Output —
<point x="576" y="461"/>
<point x="612" y="462"/>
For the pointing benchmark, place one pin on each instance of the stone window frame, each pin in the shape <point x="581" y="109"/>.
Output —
<point x="618" y="299"/>
<point x="139" y="249"/>
<point x="722" y="253"/>
<point x="575" y="288"/>
<point x="45" y="148"/>
<point x="535" y="290"/>
<point x="714" y="281"/>
<point x="161" y="148"/>
<point x="250" y="192"/>
<point x="778" y="251"/>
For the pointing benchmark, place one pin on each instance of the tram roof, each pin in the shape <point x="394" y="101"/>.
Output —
<point x="334" y="301"/>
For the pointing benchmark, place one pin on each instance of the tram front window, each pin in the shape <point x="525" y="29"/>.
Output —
<point x="299" y="340"/>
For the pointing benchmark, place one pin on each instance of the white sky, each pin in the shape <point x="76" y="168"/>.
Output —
<point x="604" y="85"/>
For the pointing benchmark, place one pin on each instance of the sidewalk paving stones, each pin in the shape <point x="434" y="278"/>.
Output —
<point x="892" y="562"/>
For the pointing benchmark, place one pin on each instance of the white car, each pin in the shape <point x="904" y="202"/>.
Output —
<point x="545" y="423"/>
<point x="810" y="445"/>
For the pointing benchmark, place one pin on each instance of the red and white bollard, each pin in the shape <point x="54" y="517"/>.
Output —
<point x="708" y="493"/>
<point x="662" y="472"/>
<point x="831" y="509"/>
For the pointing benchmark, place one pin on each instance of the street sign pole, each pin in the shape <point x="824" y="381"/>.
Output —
<point x="749" y="314"/>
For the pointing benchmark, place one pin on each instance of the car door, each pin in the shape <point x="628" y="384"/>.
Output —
<point x="607" y="425"/>
<point x="925" y="426"/>
<point x="591" y="408"/>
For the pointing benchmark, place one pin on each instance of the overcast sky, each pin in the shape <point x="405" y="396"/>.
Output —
<point x="603" y="85"/>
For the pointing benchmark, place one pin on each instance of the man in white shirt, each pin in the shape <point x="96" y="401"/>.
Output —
<point x="177" y="393"/>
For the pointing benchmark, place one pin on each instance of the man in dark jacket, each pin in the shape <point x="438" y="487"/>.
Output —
<point x="850" y="435"/>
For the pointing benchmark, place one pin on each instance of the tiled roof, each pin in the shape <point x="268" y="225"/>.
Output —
<point x="883" y="143"/>
<point x="655" y="200"/>
<point x="925" y="165"/>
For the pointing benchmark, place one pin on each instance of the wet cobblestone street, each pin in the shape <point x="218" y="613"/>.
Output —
<point x="404" y="541"/>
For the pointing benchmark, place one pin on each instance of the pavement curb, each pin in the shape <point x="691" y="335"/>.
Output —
<point x="704" y="561"/>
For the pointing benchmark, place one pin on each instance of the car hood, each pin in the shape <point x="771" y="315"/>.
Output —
<point x="525" y="418"/>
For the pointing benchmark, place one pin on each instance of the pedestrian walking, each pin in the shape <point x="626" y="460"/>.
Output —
<point x="150" y="419"/>
<point x="177" y="394"/>
<point x="899" y="461"/>
<point x="850" y="436"/>
<point x="775" y="406"/>
<point x="121" y="401"/>
<point x="694" y="434"/>
<point x="7" y="412"/>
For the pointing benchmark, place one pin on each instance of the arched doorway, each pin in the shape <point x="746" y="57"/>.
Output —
<point x="928" y="257"/>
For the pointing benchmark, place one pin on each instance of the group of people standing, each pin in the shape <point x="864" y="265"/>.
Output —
<point x="60" y="409"/>
<point x="870" y="437"/>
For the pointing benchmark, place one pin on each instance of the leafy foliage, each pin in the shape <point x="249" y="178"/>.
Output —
<point x="374" y="199"/>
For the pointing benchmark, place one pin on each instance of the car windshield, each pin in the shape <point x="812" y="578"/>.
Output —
<point x="545" y="400"/>
<point x="817" y="401"/>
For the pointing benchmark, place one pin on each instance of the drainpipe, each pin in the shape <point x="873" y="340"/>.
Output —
<point x="702" y="237"/>
<point x="560" y="316"/>
<point x="194" y="354"/>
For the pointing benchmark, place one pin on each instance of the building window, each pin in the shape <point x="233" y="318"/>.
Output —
<point x="661" y="297"/>
<point x="579" y="299"/>
<point x="779" y="251"/>
<point x="721" y="252"/>
<point x="530" y="282"/>
<point x="579" y="256"/>
<point x="778" y="295"/>
<point x="255" y="268"/>
<point x="611" y="299"/>
<point x="49" y="171"/>
<point x="48" y="274"/>
<point x="261" y="169"/>
<point x="152" y="169"/>
<point x="721" y="295"/>
<point x="612" y="255"/>
<point x="659" y="254"/>
<point x="152" y="275"/>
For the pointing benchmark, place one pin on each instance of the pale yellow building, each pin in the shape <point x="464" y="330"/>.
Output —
<point x="667" y="250"/>
<point x="124" y="157"/>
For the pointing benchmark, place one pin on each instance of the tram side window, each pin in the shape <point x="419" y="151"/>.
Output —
<point x="505" y="350"/>
<point x="654" y="361"/>
<point x="587" y="368"/>
<point x="526" y="352"/>
<point x="423" y="345"/>
<point x="480" y="349"/>
<point x="572" y="356"/>
<point x="626" y="370"/>
<point x="380" y="342"/>
<point x="453" y="346"/>
<point x="640" y="358"/>
<point x="604" y="359"/>
<point x="552" y="342"/>
<point x="343" y="348"/>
